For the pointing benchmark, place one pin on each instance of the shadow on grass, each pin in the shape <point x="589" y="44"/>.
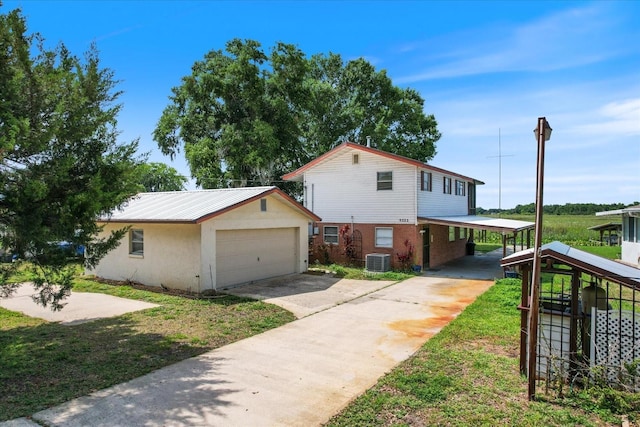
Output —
<point x="48" y="363"/>
<point x="172" y="396"/>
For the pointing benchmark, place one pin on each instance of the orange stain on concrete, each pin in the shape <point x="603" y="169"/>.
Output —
<point x="416" y="328"/>
<point x="461" y="294"/>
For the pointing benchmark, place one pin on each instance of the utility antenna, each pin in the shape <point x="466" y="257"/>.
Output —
<point x="500" y="156"/>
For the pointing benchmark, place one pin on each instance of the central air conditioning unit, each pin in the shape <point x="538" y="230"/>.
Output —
<point x="378" y="263"/>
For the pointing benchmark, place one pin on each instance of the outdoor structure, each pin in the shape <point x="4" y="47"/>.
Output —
<point x="205" y="240"/>
<point x="589" y="317"/>
<point x="393" y="207"/>
<point x="609" y="233"/>
<point x="630" y="233"/>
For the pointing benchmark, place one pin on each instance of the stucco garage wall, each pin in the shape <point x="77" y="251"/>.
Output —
<point x="250" y="217"/>
<point x="171" y="257"/>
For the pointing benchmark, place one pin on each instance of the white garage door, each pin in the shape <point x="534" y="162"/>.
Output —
<point x="247" y="255"/>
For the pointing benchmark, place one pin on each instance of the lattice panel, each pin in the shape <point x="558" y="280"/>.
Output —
<point x="615" y="336"/>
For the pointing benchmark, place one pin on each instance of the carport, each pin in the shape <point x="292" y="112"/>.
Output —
<point x="509" y="228"/>
<point x="609" y="228"/>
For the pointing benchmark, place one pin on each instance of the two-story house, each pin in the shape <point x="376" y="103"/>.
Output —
<point x="391" y="202"/>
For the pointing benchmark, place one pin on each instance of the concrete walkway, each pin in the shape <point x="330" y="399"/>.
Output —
<point x="79" y="307"/>
<point x="300" y="374"/>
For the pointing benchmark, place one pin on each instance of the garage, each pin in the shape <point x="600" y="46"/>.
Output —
<point x="204" y="240"/>
<point x="246" y="255"/>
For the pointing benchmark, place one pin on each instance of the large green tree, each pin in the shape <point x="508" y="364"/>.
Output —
<point x="236" y="116"/>
<point x="352" y="101"/>
<point x="246" y="117"/>
<point x="156" y="177"/>
<point x="61" y="165"/>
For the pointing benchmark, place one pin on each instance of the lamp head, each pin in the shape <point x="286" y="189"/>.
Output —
<point x="547" y="130"/>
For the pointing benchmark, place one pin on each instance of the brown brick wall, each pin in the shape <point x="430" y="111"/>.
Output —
<point x="335" y="253"/>
<point x="441" y="250"/>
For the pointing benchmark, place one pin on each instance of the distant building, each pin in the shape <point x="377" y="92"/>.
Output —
<point x="630" y="233"/>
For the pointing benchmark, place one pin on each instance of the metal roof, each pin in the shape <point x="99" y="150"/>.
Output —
<point x="629" y="209"/>
<point x="480" y="222"/>
<point x="608" y="226"/>
<point x="593" y="264"/>
<point x="193" y="206"/>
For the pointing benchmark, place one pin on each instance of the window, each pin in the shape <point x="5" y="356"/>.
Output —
<point x="136" y="242"/>
<point x="355" y="159"/>
<point x="384" y="237"/>
<point x="446" y="185"/>
<point x="452" y="234"/>
<point x="630" y="230"/>
<point x="463" y="233"/>
<point x="263" y="205"/>
<point x="330" y="234"/>
<point x="460" y="188"/>
<point x="385" y="180"/>
<point x="426" y="181"/>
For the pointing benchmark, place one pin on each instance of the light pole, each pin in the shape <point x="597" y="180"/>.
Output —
<point x="543" y="134"/>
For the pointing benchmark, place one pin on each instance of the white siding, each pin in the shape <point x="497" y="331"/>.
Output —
<point x="630" y="239"/>
<point x="631" y="253"/>
<point x="436" y="203"/>
<point x="339" y="189"/>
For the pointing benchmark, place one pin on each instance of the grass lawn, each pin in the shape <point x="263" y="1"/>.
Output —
<point x="468" y="375"/>
<point x="570" y="229"/>
<point x="44" y="364"/>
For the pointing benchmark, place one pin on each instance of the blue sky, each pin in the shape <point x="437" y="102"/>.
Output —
<point x="487" y="71"/>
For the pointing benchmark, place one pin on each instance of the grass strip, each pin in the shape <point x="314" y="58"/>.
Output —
<point x="468" y="375"/>
<point x="44" y="364"/>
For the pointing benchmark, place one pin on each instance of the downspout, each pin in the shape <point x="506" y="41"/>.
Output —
<point x="415" y="196"/>
<point x="415" y="209"/>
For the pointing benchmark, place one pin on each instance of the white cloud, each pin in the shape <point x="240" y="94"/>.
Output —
<point x="566" y="39"/>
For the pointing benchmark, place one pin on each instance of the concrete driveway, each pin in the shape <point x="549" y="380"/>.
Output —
<point x="306" y="294"/>
<point x="297" y="375"/>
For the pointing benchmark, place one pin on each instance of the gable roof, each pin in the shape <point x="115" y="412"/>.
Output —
<point x="195" y="206"/>
<point x="296" y="175"/>
<point x="585" y="261"/>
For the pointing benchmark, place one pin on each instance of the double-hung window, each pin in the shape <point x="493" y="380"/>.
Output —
<point x="460" y="188"/>
<point x="426" y="181"/>
<point x="330" y="234"/>
<point x="384" y="237"/>
<point x="385" y="181"/>
<point x="136" y="242"/>
<point x="446" y="185"/>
